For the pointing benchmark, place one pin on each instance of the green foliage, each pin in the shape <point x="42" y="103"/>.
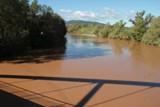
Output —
<point x="24" y="26"/>
<point x="34" y="7"/>
<point x="152" y="36"/>
<point x="140" y="25"/>
<point x="83" y="28"/>
<point x="125" y="34"/>
<point x="141" y="30"/>
<point x="73" y="28"/>
<point x="104" y="32"/>
<point x="13" y="30"/>
<point x="47" y="29"/>
<point x="117" y="29"/>
<point x="97" y="29"/>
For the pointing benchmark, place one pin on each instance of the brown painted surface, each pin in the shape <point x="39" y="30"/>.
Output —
<point x="90" y="73"/>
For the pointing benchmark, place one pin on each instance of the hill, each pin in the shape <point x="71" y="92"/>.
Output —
<point x="82" y="22"/>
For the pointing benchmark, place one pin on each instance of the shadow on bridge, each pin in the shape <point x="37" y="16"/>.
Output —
<point x="10" y="100"/>
<point x="99" y="83"/>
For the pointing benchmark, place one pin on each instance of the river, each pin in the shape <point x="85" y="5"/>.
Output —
<point x="90" y="72"/>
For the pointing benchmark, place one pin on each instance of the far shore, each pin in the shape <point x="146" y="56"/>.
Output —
<point x="91" y="35"/>
<point x="96" y="36"/>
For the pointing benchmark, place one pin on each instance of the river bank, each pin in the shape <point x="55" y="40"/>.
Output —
<point x="79" y="34"/>
<point x="96" y="36"/>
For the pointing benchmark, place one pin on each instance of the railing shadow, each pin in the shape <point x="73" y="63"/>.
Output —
<point x="8" y="100"/>
<point x="122" y="96"/>
<point x="99" y="83"/>
<point x="28" y="95"/>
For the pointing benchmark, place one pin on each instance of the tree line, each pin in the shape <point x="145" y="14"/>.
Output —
<point x="26" y="26"/>
<point x="145" y="29"/>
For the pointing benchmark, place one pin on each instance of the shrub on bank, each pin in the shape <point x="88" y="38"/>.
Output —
<point x="152" y="36"/>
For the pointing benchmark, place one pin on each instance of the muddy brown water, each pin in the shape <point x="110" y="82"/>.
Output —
<point x="89" y="72"/>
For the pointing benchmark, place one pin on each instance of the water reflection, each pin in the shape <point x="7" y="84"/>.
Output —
<point x="139" y="53"/>
<point x="37" y="56"/>
<point x="84" y="47"/>
<point x="75" y="48"/>
<point x="88" y="47"/>
<point x="149" y="55"/>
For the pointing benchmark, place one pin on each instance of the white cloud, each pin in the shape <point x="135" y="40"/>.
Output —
<point x="105" y="15"/>
<point x="110" y="13"/>
<point x="78" y="15"/>
<point x="85" y="15"/>
<point x="65" y="11"/>
<point x="130" y="14"/>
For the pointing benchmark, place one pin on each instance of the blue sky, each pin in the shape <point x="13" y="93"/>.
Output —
<point x="102" y="10"/>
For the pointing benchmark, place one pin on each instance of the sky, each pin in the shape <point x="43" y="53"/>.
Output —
<point x="104" y="11"/>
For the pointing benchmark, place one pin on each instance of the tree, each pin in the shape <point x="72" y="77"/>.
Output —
<point x="47" y="29"/>
<point x="152" y="36"/>
<point x="24" y="26"/>
<point x="140" y="25"/>
<point x="73" y="28"/>
<point x="117" y="29"/>
<point x="97" y="29"/>
<point x="34" y="7"/>
<point x="104" y="32"/>
<point x="13" y="30"/>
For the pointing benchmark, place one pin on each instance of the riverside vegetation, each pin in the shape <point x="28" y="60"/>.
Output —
<point x="145" y="29"/>
<point x="26" y="26"/>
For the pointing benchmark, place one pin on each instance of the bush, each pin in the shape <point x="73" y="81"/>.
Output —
<point x="152" y="36"/>
<point x="140" y="25"/>
<point x="117" y="29"/>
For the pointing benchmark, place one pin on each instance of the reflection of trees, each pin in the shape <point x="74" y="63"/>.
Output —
<point x="84" y="40"/>
<point x="146" y="54"/>
<point x="118" y="49"/>
<point x="38" y="56"/>
<point x="136" y="51"/>
<point x="139" y="53"/>
<point x="83" y="47"/>
<point x="119" y="45"/>
<point x="78" y="39"/>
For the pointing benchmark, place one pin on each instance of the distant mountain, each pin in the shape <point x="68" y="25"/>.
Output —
<point x="82" y="22"/>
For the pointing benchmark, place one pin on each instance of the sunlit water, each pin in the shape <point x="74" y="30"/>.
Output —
<point x="85" y="47"/>
<point x="90" y="47"/>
